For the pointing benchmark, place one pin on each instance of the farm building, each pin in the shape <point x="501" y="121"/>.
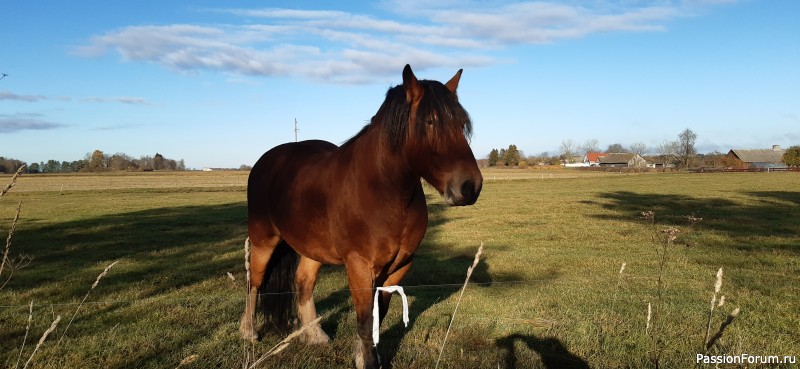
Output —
<point x="623" y="160"/>
<point x="759" y="158"/>
<point x="593" y="158"/>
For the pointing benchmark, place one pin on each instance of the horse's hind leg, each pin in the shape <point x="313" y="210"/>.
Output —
<point x="262" y="244"/>
<point x="305" y="279"/>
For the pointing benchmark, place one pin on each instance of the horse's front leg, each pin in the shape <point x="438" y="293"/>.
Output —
<point x="393" y="280"/>
<point x="305" y="279"/>
<point x="361" y="279"/>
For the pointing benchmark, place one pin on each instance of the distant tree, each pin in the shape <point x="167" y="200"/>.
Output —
<point x="52" y="166"/>
<point x="714" y="159"/>
<point x="512" y="156"/>
<point x="494" y="156"/>
<point x="121" y="161"/>
<point x="567" y="150"/>
<point x="615" y="148"/>
<point x="686" y="150"/>
<point x="158" y="162"/>
<point x="590" y="145"/>
<point x="97" y="161"/>
<point x="245" y="167"/>
<point x="792" y="156"/>
<point x="501" y="156"/>
<point x="667" y="152"/>
<point x="9" y="165"/>
<point x="74" y="166"/>
<point x="639" y="148"/>
<point x="34" y="168"/>
<point x="181" y="165"/>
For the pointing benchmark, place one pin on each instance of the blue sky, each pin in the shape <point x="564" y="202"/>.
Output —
<point x="219" y="83"/>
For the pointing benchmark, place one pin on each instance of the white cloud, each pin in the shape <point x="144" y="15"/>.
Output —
<point x="345" y="47"/>
<point x="5" y="95"/>
<point x="120" y="99"/>
<point x="21" y="122"/>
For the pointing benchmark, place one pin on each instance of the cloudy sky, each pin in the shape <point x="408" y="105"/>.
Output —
<point x="219" y="83"/>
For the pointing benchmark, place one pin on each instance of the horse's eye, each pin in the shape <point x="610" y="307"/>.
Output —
<point x="431" y="119"/>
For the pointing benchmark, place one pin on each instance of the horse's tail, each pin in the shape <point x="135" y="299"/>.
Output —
<point x="278" y="297"/>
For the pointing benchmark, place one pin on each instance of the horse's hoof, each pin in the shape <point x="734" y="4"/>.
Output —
<point x="248" y="332"/>
<point x="316" y="337"/>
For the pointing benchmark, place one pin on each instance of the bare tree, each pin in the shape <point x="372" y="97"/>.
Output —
<point x="567" y="149"/>
<point x="667" y="151"/>
<point x="686" y="150"/>
<point x="615" y="148"/>
<point x="639" y="148"/>
<point x="591" y="145"/>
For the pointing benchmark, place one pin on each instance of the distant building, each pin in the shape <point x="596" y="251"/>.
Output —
<point x="593" y="158"/>
<point x="758" y="158"/>
<point x="631" y="160"/>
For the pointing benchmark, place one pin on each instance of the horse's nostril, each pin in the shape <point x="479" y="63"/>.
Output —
<point x="468" y="189"/>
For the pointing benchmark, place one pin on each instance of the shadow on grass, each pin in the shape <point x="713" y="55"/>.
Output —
<point x="162" y="250"/>
<point x="553" y="353"/>
<point x="772" y="219"/>
<point x="169" y="247"/>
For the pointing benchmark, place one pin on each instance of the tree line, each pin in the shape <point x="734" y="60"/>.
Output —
<point x="97" y="161"/>
<point x="680" y="153"/>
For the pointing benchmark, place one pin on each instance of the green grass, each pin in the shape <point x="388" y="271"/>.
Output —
<point x="540" y="298"/>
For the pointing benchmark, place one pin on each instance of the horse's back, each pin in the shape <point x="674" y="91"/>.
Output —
<point x="285" y="161"/>
<point x="286" y="192"/>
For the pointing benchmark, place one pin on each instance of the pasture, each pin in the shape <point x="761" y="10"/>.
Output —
<point x="548" y="292"/>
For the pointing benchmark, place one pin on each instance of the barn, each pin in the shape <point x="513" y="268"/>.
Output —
<point x="758" y="158"/>
<point x="632" y="160"/>
<point x="593" y="158"/>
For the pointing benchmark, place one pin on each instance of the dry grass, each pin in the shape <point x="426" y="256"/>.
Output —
<point x="549" y="272"/>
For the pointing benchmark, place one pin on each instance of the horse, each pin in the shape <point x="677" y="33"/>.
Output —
<point x="360" y="204"/>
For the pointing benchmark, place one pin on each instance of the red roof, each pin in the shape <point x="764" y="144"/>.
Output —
<point x="594" y="157"/>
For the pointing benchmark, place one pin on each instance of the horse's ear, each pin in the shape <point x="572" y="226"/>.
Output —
<point x="411" y="85"/>
<point x="452" y="84"/>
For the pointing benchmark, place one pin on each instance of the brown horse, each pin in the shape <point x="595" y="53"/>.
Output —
<point x="360" y="205"/>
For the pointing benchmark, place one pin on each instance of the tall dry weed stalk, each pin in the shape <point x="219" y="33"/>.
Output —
<point x="8" y="263"/>
<point x="717" y="303"/>
<point x="280" y="346"/>
<point x="27" y="330"/>
<point x="717" y="288"/>
<point x="94" y="285"/>
<point x="247" y="354"/>
<point x="663" y="242"/>
<point x="13" y="181"/>
<point x="609" y="321"/>
<point x="619" y="283"/>
<point x="458" y="302"/>
<point x="42" y="339"/>
<point x="725" y="324"/>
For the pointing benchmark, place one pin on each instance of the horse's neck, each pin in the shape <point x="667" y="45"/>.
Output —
<point x="370" y="154"/>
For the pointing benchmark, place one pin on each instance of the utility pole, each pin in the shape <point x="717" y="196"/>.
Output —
<point x="295" y="129"/>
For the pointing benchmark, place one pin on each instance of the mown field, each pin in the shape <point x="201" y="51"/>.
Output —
<point x="548" y="292"/>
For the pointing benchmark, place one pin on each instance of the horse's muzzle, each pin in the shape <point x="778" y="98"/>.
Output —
<point x="467" y="193"/>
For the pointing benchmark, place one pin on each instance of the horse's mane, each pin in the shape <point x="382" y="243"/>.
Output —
<point x="437" y="100"/>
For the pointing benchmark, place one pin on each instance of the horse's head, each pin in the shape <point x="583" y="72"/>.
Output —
<point x="433" y="137"/>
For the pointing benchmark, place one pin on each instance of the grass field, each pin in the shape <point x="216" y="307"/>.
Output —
<point x="547" y="294"/>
